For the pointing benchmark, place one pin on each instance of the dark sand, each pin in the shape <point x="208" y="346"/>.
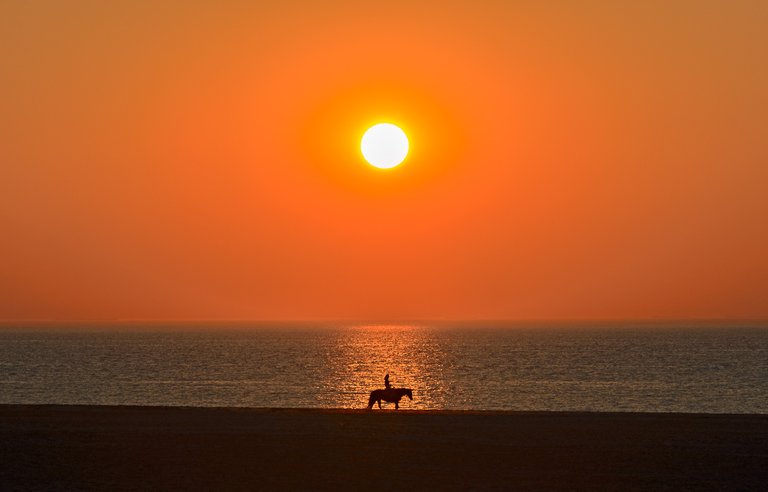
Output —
<point x="108" y="448"/>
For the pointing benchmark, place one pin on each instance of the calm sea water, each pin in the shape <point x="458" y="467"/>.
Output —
<point x="618" y="367"/>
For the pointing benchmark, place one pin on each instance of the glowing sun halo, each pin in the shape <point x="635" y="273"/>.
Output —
<point x="384" y="145"/>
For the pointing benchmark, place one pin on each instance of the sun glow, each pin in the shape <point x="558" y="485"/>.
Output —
<point x="384" y="145"/>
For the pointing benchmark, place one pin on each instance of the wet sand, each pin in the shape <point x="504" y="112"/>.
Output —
<point x="160" y="448"/>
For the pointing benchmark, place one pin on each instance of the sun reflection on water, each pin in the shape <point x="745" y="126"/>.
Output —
<point x="361" y="355"/>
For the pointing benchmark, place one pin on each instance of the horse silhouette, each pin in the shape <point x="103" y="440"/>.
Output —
<point x="392" y="395"/>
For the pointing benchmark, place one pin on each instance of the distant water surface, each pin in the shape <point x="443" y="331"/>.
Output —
<point x="618" y="367"/>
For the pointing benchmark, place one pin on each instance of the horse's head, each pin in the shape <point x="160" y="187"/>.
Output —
<point x="409" y="393"/>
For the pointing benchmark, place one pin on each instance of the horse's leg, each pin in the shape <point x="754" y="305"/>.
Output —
<point x="397" y="405"/>
<point x="379" y="400"/>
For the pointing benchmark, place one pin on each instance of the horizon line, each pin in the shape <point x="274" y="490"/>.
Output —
<point x="657" y="319"/>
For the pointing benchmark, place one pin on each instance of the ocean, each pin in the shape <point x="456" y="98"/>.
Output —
<point x="603" y="367"/>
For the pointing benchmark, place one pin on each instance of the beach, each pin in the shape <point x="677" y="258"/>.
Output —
<point x="47" y="447"/>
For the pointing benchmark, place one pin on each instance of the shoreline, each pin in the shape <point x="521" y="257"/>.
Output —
<point x="204" y="448"/>
<point x="388" y="409"/>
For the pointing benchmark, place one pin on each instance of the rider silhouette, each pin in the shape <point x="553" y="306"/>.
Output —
<point x="386" y="381"/>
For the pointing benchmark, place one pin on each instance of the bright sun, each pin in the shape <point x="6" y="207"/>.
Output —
<point x="384" y="145"/>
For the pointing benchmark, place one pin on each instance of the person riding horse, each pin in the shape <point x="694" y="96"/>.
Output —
<point x="390" y="394"/>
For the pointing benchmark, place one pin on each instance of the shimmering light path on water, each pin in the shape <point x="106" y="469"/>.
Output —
<point x="608" y="368"/>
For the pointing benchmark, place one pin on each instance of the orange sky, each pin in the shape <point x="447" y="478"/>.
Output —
<point x="178" y="160"/>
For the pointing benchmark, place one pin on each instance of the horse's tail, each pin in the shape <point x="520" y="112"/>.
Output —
<point x="371" y="400"/>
